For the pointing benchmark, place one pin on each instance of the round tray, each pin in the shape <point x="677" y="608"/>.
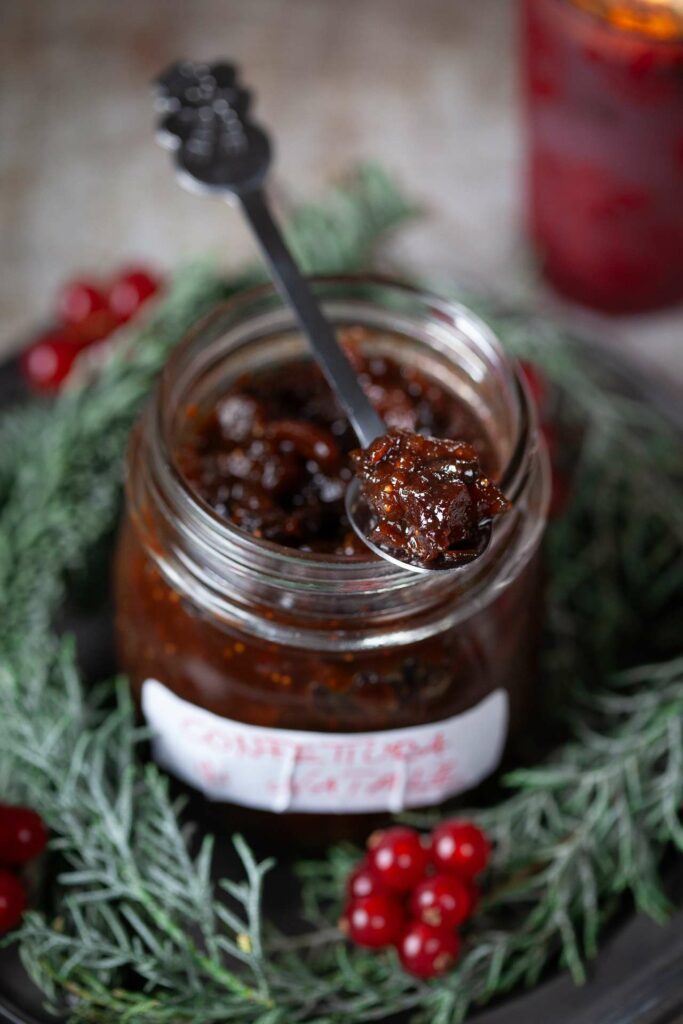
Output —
<point x="636" y="979"/>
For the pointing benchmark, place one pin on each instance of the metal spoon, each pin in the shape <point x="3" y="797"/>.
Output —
<point x="219" y="151"/>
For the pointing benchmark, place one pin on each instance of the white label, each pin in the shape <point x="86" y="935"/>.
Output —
<point x="332" y="773"/>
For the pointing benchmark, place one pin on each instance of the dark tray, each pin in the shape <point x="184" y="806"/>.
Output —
<point x="638" y="976"/>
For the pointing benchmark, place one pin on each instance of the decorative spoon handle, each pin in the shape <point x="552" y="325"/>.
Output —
<point x="220" y="151"/>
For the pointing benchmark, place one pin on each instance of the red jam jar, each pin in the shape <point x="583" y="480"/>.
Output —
<point x="603" y="91"/>
<point x="305" y="689"/>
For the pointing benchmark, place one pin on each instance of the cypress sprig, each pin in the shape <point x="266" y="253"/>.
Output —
<point x="137" y="930"/>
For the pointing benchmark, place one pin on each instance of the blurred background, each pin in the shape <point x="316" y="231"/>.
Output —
<point x="429" y="90"/>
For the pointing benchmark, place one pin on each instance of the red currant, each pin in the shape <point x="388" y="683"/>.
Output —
<point x="23" y="834"/>
<point x="426" y="951"/>
<point x="97" y="326"/>
<point x="551" y="439"/>
<point x="12" y="901"/>
<point x="47" y="363"/>
<point x="536" y="382"/>
<point x="373" y="921"/>
<point x="398" y="857"/>
<point x="560" y="479"/>
<point x="444" y="901"/>
<point x="130" y="291"/>
<point x="560" y="494"/>
<point x="363" y="882"/>
<point x="78" y="300"/>
<point x="460" y="848"/>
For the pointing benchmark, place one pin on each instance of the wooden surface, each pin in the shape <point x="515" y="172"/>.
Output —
<point x="426" y="88"/>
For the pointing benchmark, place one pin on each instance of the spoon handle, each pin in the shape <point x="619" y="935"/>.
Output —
<point x="220" y="151"/>
<point x="331" y="357"/>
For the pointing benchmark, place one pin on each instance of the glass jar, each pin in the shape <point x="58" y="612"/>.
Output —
<point x="603" y="92"/>
<point x="309" y="689"/>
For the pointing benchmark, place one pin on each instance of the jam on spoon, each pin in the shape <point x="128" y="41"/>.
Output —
<point x="430" y="501"/>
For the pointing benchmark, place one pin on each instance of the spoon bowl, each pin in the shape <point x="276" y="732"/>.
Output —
<point x="362" y="520"/>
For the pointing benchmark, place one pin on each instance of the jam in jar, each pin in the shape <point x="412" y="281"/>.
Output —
<point x="297" y="681"/>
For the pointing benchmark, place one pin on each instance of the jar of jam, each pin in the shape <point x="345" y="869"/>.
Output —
<point x="603" y="97"/>
<point x="297" y="681"/>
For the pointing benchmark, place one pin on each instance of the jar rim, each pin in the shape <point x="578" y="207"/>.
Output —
<point x="224" y="538"/>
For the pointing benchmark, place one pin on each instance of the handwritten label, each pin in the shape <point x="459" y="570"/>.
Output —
<point x="331" y="773"/>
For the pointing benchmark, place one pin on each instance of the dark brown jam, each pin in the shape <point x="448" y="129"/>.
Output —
<point x="274" y="454"/>
<point x="431" y="502"/>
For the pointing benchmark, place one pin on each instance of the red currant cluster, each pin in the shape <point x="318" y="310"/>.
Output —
<point x="23" y="836"/>
<point x="413" y="892"/>
<point x="87" y="312"/>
